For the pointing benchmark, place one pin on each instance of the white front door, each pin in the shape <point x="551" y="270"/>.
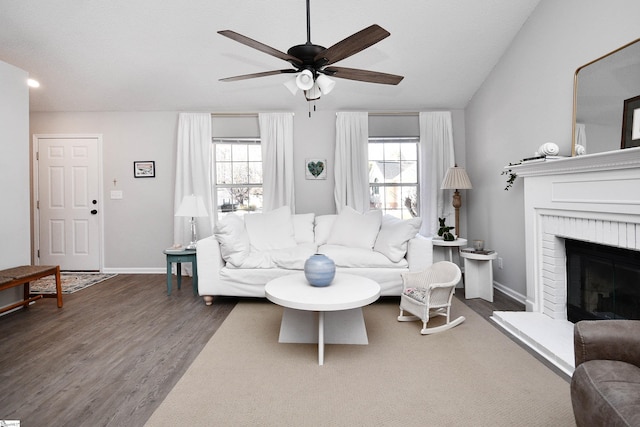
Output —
<point x="68" y="202"/>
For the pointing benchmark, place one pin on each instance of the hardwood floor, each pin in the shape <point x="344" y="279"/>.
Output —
<point x="501" y="302"/>
<point x="108" y="357"/>
<point x="116" y="349"/>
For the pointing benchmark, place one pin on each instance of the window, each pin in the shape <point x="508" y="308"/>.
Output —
<point x="393" y="176"/>
<point x="238" y="175"/>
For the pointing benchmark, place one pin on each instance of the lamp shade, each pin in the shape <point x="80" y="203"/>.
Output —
<point x="325" y="84"/>
<point x="456" y="179"/>
<point x="192" y="206"/>
<point x="313" y="93"/>
<point x="304" y="80"/>
<point x="292" y="85"/>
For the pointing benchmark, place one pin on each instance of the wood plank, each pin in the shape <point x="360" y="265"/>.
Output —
<point x="109" y="357"/>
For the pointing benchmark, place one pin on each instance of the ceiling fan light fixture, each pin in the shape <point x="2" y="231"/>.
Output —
<point x="304" y="80"/>
<point x="325" y="84"/>
<point x="313" y="93"/>
<point x="292" y="85"/>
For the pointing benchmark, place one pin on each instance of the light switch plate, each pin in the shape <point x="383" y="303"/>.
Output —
<point x="116" y="194"/>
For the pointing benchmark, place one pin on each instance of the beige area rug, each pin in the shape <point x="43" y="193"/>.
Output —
<point x="70" y="282"/>
<point x="471" y="375"/>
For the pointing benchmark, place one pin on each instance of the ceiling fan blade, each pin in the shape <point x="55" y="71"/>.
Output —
<point x="352" y="44"/>
<point x="254" y="75"/>
<point x="260" y="46"/>
<point x="363" y="75"/>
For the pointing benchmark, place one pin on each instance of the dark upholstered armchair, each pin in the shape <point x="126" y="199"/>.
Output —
<point x="605" y="387"/>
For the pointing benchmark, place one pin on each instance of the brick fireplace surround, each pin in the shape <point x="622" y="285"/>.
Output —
<point x="594" y="198"/>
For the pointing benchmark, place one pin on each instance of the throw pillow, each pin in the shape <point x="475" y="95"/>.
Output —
<point x="270" y="230"/>
<point x="303" y="227"/>
<point x="394" y="235"/>
<point x="324" y="223"/>
<point x="233" y="239"/>
<point x="355" y="230"/>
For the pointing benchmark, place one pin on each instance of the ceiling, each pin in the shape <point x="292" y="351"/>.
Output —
<point x="149" y="55"/>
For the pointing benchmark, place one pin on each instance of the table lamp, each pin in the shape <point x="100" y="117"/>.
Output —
<point x="192" y="206"/>
<point x="456" y="179"/>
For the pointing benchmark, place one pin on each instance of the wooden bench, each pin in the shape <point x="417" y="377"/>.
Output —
<point x="22" y="275"/>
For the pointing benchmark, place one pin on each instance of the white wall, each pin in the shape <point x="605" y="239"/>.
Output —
<point x="15" y="234"/>
<point x="526" y="101"/>
<point x="139" y="227"/>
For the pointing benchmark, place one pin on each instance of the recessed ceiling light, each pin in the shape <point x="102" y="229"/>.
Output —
<point x="33" y="83"/>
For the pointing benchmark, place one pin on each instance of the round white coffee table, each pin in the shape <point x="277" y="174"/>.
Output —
<point x="339" y="308"/>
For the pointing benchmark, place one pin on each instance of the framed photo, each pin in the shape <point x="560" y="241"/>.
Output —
<point x="631" y="123"/>
<point x="146" y="169"/>
<point x="315" y="168"/>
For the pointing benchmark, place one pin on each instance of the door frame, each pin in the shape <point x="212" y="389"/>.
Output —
<point x="36" y="195"/>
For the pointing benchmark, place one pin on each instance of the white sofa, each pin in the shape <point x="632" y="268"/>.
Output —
<point x="248" y="251"/>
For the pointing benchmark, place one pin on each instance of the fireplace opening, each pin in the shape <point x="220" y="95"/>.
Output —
<point x="603" y="282"/>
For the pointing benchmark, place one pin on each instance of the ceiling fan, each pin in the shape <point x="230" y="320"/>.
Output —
<point x="313" y="63"/>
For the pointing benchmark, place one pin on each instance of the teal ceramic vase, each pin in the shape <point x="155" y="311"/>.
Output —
<point x="319" y="270"/>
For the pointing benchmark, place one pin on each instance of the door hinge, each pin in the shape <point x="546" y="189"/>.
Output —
<point x="37" y="204"/>
<point x="37" y="155"/>
<point x="38" y="253"/>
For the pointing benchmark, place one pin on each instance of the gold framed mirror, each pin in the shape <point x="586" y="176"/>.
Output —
<point x="600" y="89"/>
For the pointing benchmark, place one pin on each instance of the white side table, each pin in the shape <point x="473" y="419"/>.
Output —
<point x="478" y="270"/>
<point x="458" y="243"/>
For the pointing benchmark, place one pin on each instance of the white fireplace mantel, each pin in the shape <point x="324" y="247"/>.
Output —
<point x="611" y="160"/>
<point x="594" y="198"/>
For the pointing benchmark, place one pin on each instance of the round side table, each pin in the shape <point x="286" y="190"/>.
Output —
<point x="458" y="243"/>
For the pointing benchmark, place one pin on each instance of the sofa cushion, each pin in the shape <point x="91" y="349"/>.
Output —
<point x="270" y="230"/>
<point x="303" y="227"/>
<point x="355" y="230"/>
<point x="233" y="239"/>
<point x="288" y="258"/>
<point x="293" y="258"/>
<point x="394" y="235"/>
<point x="358" y="257"/>
<point x="324" y="223"/>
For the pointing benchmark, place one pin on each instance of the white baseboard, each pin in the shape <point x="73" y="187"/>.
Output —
<point x="510" y="292"/>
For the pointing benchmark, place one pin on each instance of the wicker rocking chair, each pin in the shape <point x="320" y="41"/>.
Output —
<point x="428" y="293"/>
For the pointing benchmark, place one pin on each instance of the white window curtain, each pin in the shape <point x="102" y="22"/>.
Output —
<point x="193" y="175"/>
<point x="276" y="140"/>
<point x="437" y="156"/>
<point x="351" y="161"/>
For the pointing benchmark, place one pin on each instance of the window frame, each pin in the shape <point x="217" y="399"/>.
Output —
<point x="375" y="188"/>
<point x="220" y="212"/>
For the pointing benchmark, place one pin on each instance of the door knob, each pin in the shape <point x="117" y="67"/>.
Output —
<point x="93" y="212"/>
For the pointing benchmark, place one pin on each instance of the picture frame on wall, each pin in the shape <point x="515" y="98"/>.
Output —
<point x="315" y="168"/>
<point x="631" y="123"/>
<point x="144" y="169"/>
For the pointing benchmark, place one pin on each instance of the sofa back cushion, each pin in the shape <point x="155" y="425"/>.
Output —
<point x="322" y="230"/>
<point x="233" y="239"/>
<point x="355" y="230"/>
<point x="303" y="227"/>
<point x="394" y="235"/>
<point x="270" y="230"/>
